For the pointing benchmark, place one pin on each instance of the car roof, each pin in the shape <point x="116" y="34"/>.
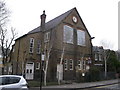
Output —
<point x="10" y="76"/>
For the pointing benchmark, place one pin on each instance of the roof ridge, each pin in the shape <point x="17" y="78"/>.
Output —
<point x="53" y="22"/>
<point x="62" y="14"/>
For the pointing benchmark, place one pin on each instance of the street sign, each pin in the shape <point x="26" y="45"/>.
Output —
<point x="43" y="57"/>
<point x="60" y="72"/>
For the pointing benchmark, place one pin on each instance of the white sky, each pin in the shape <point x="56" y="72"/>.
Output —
<point x="99" y="16"/>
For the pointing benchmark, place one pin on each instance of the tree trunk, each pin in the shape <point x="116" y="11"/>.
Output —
<point x="61" y="61"/>
<point x="45" y="76"/>
<point x="45" y="73"/>
<point x="46" y="66"/>
<point x="3" y="65"/>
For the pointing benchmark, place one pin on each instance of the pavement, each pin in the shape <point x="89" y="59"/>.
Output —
<point x="84" y="85"/>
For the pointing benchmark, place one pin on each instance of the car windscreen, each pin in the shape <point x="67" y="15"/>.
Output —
<point x="9" y="80"/>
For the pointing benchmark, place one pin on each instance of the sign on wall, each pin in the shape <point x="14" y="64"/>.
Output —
<point x="60" y="72"/>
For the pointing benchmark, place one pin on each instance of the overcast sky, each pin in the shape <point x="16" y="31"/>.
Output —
<point x="99" y="16"/>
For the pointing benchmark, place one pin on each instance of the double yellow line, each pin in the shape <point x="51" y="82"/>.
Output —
<point x="106" y="86"/>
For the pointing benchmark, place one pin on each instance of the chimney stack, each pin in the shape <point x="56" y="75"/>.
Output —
<point x="43" y="17"/>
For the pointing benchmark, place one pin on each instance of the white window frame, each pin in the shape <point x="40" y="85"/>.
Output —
<point x="96" y="57"/>
<point x="84" y="64"/>
<point x="13" y="49"/>
<point x="38" y="47"/>
<point x="65" y="32"/>
<point x="37" y="65"/>
<point x="71" y="64"/>
<point x="31" y="47"/>
<point x="1" y="56"/>
<point x="46" y="46"/>
<point x="81" y="38"/>
<point x="79" y="64"/>
<point x="100" y="57"/>
<point x="65" y="64"/>
<point x="47" y="37"/>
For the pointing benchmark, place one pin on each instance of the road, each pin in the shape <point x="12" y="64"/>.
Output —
<point x="108" y="87"/>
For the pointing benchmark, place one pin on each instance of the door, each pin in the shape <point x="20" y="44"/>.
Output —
<point x="29" y="71"/>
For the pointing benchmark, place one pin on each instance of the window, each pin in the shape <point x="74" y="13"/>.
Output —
<point x="89" y="60"/>
<point x="9" y="80"/>
<point x="38" y="47"/>
<point x="96" y="56"/>
<point x="46" y="46"/>
<point x="79" y="65"/>
<point x="100" y="58"/>
<point x="37" y="65"/>
<point x="47" y="37"/>
<point x="27" y="71"/>
<point x="14" y="80"/>
<point x="31" y="45"/>
<point x="30" y="70"/>
<point x="71" y="64"/>
<point x="0" y="56"/>
<point x="65" y="64"/>
<point x="68" y="34"/>
<point x="13" y="49"/>
<point x="81" y="37"/>
<point x="84" y="65"/>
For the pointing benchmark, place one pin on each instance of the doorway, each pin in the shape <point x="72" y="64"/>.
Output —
<point x="29" y="71"/>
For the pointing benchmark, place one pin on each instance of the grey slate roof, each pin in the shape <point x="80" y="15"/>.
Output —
<point x="52" y="23"/>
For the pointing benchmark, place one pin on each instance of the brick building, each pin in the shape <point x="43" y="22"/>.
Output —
<point x="63" y="40"/>
<point x="98" y="53"/>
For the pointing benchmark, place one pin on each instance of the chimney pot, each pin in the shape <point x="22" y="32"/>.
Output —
<point x="43" y="17"/>
<point x="44" y="12"/>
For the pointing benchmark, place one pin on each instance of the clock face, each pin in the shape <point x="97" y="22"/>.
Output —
<point x="74" y="19"/>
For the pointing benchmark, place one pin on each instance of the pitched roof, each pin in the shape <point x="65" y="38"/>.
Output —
<point x="52" y="23"/>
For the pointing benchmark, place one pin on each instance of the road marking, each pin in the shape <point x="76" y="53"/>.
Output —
<point x="106" y="86"/>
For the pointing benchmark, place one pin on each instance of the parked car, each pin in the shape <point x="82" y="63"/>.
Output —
<point x="13" y="82"/>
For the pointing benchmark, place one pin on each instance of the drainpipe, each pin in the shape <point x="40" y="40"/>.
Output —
<point x="17" y="57"/>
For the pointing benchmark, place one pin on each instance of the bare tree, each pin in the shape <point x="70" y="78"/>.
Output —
<point x="47" y="51"/>
<point x="4" y="13"/>
<point x="60" y="66"/>
<point x="5" y="39"/>
<point x="6" y="43"/>
<point x="118" y="54"/>
<point x="106" y="45"/>
<point x="46" y="64"/>
<point x="62" y="55"/>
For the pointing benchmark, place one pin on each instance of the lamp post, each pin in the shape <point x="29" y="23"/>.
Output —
<point x="105" y="67"/>
<point x="42" y="29"/>
<point x="41" y="68"/>
<point x="105" y="59"/>
<point x="91" y="47"/>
